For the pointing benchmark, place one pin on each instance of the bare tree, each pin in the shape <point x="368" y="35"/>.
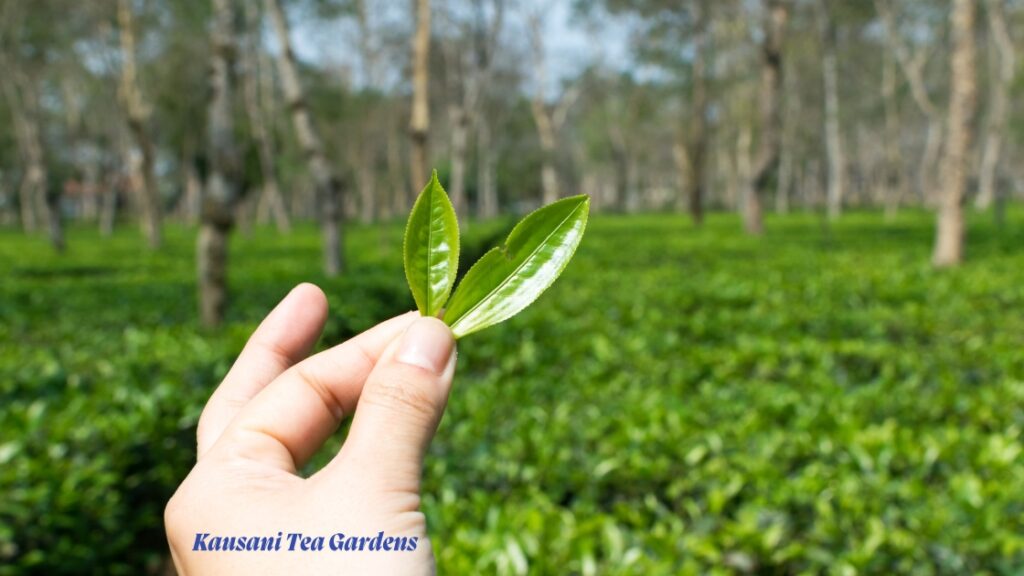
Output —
<point x="35" y="194"/>
<point x="221" y="191"/>
<point x="698" y="141"/>
<point x="190" y="204"/>
<point x="467" y="73"/>
<point x="34" y="175"/>
<point x="115" y="183"/>
<point x="775" y="16"/>
<point x="396" y="167"/>
<point x="625" y="193"/>
<point x="485" y="55"/>
<point x="833" y="138"/>
<point x="487" y="206"/>
<point x="787" y="159"/>
<point x="419" y="122"/>
<point x="949" y="239"/>
<point x="459" y="124"/>
<point x="548" y="120"/>
<point x="541" y="115"/>
<point x="893" y="177"/>
<point x="327" y="186"/>
<point x="368" y="49"/>
<point x="913" y="65"/>
<point x="1004" y="70"/>
<point x="743" y="179"/>
<point x="137" y="111"/>
<point x="257" y="90"/>
<point x="462" y="94"/>
<point x="20" y="88"/>
<point x="367" y="151"/>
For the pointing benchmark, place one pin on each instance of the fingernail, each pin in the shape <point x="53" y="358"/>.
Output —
<point x="427" y="343"/>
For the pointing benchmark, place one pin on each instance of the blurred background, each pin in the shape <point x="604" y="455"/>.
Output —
<point x="792" y="341"/>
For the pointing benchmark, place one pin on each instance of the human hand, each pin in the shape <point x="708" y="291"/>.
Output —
<point x="272" y="412"/>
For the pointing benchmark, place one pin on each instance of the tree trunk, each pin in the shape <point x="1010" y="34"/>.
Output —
<point x="487" y="193"/>
<point x="461" y="100"/>
<point x="698" y="144"/>
<point x="547" y="124"/>
<point x="775" y="15"/>
<point x="681" y="159"/>
<point x="1002" y="78"/>
<point x="370" y="207"/>
<point x="548" y="177"/>
<point x="327" y="186"/>
<point x="620" y="163"/>
<point x="744" y="188"/>
<point x="459" y="144"/>
<point x="26" y="199"/>
<point x="913" y="69"/>
<point x="91" y="185"/>
<point x="398" y="185"/>
<point x="35" y="186"/>
<point x="810" y="183"/>
<point x="893" y="177"/>
<point x="23" y="105"/>
<point x="108" y="204"/>
<point x="366" y="175"/>
<point x="620" y="160"/>
<point x="833" y="138"/>
<point x="221" y="190"/>
<point x="83" y="162"/>
<point x="636" y="200"/>
<point x="419" y="123"/>
<point x="193" y="197"/>
<point x="787" y="162"/>
<point x="29" y="185"/>
<point x="926" y="175"/>
<point x="476" y="70"/>
<point x="55" y="225"/>
<point x="785" y="182"/>
<point x="487" y="203"/>
<point x="542" y="116"/>
<point x="258" y="89"/>
<point x="949" y="239"/>
<point x="137" y="112"/>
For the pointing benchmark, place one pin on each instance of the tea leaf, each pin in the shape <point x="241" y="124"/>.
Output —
<point x="431" y="248"/>
<point x="507" y="279"/>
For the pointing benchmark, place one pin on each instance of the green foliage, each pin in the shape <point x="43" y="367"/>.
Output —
<point x="504" y="280"/>
<point x="104" y="371"/>
<point x="508" y="279"/>
<point x="431" y="248"/>
<point x="684" y="402"/>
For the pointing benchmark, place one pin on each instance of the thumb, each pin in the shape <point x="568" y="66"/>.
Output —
<point x="401" y="405"/>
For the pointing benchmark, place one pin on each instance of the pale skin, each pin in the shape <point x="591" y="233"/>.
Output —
<point x="277" y="406"/>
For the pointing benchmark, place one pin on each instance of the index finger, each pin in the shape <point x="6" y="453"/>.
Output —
<point x="284" y="337"/>
<point x="288" y="421"/>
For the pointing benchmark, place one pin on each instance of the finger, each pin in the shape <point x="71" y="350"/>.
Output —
<point x="400" y="407"/>
<point x="287" y="422"/>
<point x="284" y="337"/>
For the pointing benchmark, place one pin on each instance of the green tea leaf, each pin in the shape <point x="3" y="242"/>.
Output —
<point x="431" y="248"/>
<point x="507" y="279"/>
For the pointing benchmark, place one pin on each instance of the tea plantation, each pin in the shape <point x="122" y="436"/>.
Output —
<point x="819" y="401"/>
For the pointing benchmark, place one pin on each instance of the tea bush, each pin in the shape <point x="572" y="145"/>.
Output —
<point x="817" y="401"/>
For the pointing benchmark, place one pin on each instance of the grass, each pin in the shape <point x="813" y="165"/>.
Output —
<point x="682" y="401"/>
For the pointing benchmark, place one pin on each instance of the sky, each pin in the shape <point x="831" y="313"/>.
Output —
<point x="569" y="46"/>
